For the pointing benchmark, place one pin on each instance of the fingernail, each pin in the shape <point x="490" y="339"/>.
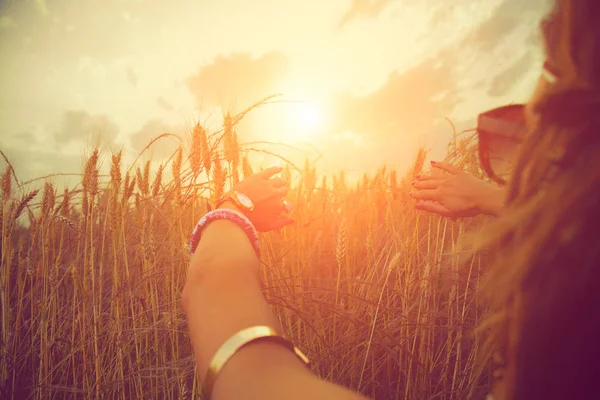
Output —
<point x="433" y="163"/>
<point x="418" y="177"/>
<point x="413" y="183"/>
<point x="411" y="194"/>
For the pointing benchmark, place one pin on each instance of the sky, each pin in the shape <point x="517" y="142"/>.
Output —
<point x="361" y="82"/>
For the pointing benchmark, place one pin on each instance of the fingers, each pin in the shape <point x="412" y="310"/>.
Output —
<point x="281" y="222"/>
<point x="280" y="191"/>
<point x="288" y="206"/>
<point x="275" y="206"/>
<point x="427" y="184"/>
<point x="445" y="167"/>
<point x="435" y="208"/>
<point x="428" y="177"/>
<point x="269" y="172"/>
<point x="426" y="194"/>
<point x="278" y="182"/>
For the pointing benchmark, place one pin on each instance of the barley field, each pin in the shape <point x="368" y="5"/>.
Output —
<point x="378" y="295"/>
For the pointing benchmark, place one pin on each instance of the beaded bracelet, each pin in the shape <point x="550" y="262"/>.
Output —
<point x="234" y="216"/>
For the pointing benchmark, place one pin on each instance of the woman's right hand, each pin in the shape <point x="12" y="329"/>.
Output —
<point x="457" y="193"/>
<point x="267" y="193"/>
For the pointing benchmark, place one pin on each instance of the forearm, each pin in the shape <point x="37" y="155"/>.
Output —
<point x="267" y="371"/>
<point x="222" y="292"/>
<point x="223" y="305"/>
<point x="221" y="297"/>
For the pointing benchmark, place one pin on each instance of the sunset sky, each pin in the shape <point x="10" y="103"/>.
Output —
<point x="363" y="81"/>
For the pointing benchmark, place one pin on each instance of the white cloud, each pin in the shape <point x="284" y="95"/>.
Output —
<point x="83" y="63"/>
<point x="42" y="6"/>
<point x="7" y="22"/>
<point x="99" y="72"/>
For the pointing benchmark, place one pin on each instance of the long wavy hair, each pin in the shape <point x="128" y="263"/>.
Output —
<point x="544" y="282"/>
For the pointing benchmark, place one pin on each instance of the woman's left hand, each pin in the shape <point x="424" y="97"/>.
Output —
<point x="456" y="194"/>
<point x="266" y="192"/>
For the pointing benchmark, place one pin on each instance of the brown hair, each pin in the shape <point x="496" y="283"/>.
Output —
<point x="544" y="281"/>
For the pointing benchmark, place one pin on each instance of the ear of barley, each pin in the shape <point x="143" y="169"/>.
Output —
<point x="6" y="219"/>
<point x="67" y="222"/>
<point x="342" y="242"/>
<point x="32" y="220"/>
<point x="24" y="202"/>
<point x="419" y="162"/>
<point x="128" y="189"/>
<point x="90" y="181"/>
<point x="146" y="179"/>
<point x="196" y="149"/>
<point x="235" y="162"/>
<point x="246" y="167"/>
<point x="125" y="186"/>
<point x="91" y="173"/>
<point x="65" y="203"/>
<point x="218" y="182"/>
<point x="228" y="138"/>
<point x="206" y="152"/>
<point x="115" y="170"/>
<point x="157" y="181"/>
<point x="176" y="171"/>
<point x="48" y="199"/>
<point x="140" y="179"/>
<point x="235" y="174"/>
<point x="6" y="185"/>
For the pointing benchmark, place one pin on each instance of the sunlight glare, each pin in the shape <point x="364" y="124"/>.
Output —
<point x="310" y="118"/>
<point x="306" y="121"/>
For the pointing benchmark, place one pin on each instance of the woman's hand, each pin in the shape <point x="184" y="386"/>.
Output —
<point x="266" y="192"/>
<point x="456" y="194"/>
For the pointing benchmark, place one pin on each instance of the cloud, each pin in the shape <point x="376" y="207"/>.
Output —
<point x="238" y="79"/>
<point x="164" y="104"/>
<point x="507" y="79"/>
<point x="42" y="7"/>
<point x="407" y="104"/>
<point x="80" y="126"/>
<point x="151" y="130"/>
<point x="363" y="8"/>
<point x="31" y="164"/>
<point x="26" y="137"/>
<point x="7" y="22"/>
<point x="131" y="77"/>
<point x="507" y="17"/>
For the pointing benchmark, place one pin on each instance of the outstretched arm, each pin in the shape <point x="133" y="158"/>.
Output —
<point x="457" y="194"/>
<point x="222" y="296"/>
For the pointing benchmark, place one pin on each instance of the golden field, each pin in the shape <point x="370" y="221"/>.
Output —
<point x="378" y="295"/>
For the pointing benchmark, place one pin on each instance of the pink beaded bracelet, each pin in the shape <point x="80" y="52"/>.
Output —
<point x="225" y="213"/>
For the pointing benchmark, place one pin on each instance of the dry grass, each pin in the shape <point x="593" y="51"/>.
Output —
<point x="371" y="290"/>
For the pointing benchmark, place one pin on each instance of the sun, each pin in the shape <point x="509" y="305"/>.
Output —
<point x="305" y="121"/>
<point x="310" y="118"/>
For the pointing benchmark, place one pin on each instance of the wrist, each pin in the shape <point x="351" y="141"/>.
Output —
<point x="492" y="201"/>
<point x="224" y="241"/>
<point x="230" y="205"/>
<point x="225" y="214"/>
<point x="224" y="246"/>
